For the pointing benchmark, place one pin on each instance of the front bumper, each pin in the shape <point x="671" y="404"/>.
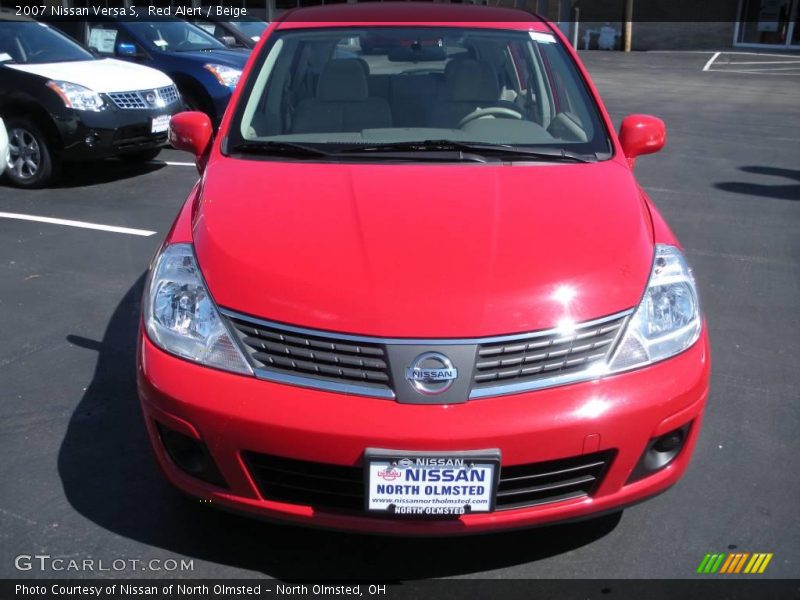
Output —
<point x="235" y="414"/>
<point x="88" y="135"/>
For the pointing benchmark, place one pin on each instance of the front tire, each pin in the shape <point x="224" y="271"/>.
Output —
<point x="192" y="102"/>
<point x="31" y="162"/>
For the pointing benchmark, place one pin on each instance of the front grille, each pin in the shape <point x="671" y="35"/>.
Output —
<point x="139" y="99"/>
<point x="551" y="481"/>
<point x="545" y="356"/>
<point x="168" y="94"/>
<point x="321" y="358"/>
<point x="337" y="487"/>
<point x="320" y="485"/>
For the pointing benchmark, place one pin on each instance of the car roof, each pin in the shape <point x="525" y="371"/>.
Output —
<point x="412" y="12"/>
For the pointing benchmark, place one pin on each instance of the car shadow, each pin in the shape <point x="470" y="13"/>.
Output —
<point x="90" y="173"/>
<point x="786" y="191"/>
<point x="110" y="477"/>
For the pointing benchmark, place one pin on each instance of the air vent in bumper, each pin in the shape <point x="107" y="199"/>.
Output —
<point x="337" y="487"/>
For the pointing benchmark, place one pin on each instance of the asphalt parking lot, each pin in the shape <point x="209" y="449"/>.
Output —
<point x="77" y="477"/>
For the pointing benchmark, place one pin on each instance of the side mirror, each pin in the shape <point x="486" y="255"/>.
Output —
<point x="191" y="131"/>
<point x="228" y="40"/>
<point x="641" y="134"/>
<point x="127" y="50"/>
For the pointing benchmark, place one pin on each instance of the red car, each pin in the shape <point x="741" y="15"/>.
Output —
<point x="420" y="296"/>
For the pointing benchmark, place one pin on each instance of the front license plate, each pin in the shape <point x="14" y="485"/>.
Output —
<point x="159" y="124"/>
<point x="429" y="484"/>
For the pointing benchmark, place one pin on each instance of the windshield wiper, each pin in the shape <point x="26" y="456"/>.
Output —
<point x="279" y="149"/>
<point x="418" y="150"/>
<point x="477" y="150"/>
<point x="294" y="149"/>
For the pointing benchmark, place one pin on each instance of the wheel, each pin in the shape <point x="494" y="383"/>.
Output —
<point x="31" y="162"/>
<point x="141" y="155"/>
<point x="192" y="102"/>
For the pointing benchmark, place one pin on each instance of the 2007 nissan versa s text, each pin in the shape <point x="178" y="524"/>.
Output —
<point x="417" y="289"/>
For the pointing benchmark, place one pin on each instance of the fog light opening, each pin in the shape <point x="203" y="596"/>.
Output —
<point x="91" y="140"/>
<point x="660" y="452"/>
<point x="190" y="455"/>
<point x="669" y="442"/>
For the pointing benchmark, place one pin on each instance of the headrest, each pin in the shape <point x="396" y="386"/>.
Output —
<point x="470" y="80"/>
<point x="342" y="80"/>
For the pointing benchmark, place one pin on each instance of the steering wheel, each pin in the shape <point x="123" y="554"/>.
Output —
<point x="491" y="111"/>
<point x="182" y="44"/>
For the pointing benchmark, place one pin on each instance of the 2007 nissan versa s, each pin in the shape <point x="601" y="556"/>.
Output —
<point x="418" y="290"/>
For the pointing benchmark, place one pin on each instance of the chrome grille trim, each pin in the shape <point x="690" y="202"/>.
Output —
<point x="310" y="360"/>
<point x="327" y="385"/>
<point x="536" y="384"/>
<point x="593" y="370"/>
<point x="367" y="339"/>
<point x="545" y="361"/>
<point x="136" y="99"/>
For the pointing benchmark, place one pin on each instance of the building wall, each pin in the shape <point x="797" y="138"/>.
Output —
<point x="658" y="24"/>
<point x="683" y="36"/>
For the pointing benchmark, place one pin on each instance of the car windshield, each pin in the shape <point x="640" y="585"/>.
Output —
<point x="417" y="88"/>
<point x="174" y="36"/>
<point x="27" y="42"/>
<point x="251" y="28"/>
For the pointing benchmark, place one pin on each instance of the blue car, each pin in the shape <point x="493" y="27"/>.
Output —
<point x="205" y="71"/>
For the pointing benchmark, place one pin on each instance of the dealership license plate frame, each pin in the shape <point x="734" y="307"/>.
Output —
<point x="159" y="124"/>
<point x="490" y="456"/>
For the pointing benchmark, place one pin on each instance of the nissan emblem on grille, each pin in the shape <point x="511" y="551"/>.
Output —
<point x="431" y="373"/>
<point x="150" y="97"/>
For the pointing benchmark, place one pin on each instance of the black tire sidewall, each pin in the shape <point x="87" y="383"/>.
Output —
<point x="49" y="165"/>
<point x="192" y="102"/>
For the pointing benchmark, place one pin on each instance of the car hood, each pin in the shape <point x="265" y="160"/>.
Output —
<point x="105" y="75"/>
<point x="229" y="58"/>
<point x="429" y="250"/>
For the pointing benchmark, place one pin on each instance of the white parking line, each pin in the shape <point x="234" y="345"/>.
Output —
<point x="172" y="163"/>
<point x="711" y="61"/>
<point x="789" y="56"/>
<point x="81" y="224"/>
<point x="789" y="66"/>
<point x="766" y="62"/>
<point x="778" y="72"/>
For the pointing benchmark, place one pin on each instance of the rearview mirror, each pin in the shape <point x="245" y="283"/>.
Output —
<point x="124" y="49"/>
<point x="641" y="134"/>
<point x="228" y="40"/>
<point x="191" y="131"/>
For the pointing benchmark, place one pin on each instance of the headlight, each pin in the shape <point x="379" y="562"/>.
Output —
<point x="181" y="317"/>
<point x="668" y="319"/>
<point x="76" y="96"/>
<point x="227" y="76"/>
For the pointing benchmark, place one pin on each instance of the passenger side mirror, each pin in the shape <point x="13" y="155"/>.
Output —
<point x="191" y="131"/>
<point x="126" y="50"/>
<point x="228" y="40"/>
<point x="641" y="134"/>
